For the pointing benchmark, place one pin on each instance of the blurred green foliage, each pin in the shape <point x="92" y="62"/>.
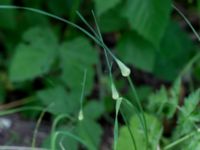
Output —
<point x="35" y="48"/>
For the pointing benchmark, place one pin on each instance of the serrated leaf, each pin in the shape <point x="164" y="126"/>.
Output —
<point x="191" y="102"/>
<point x="34" y="56"/>
<point x="158" y="101"/>
<point x="76" y="56"/>
<point x="135" y="50"/>
<point x="90" y="132"/>
<point x="188" y="115"/>
<point x="148" y="17"/>
<point x="154" y="133"/>
<point x="58" y="101"/>
<point x="168" y="63"/>
<point x="191" y="143"/>
<point x="164" y="103"/>
<point x="102" y="7"/>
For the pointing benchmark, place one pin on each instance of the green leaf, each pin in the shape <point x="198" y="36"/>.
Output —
<point x="191" y="143"/>
<point x="76" y="56"/>
<point x="108" y="23"/>
<point x="59" y="7"/>
<point x="8" y="18"/>
<point x="34" y="20"/>
<point x="158" y="102"/>
<point x="168" y="63"/>
<point x="191" y="102"/>
<point x="188" y="121"/>
<point x="58" y="101"/>
<point x="135" y="50"/>
<point x="189" y="115"/>
<point x="35" y="3"/>
<point x="67" y="142"/>
<point x="148" y="17"/>
<point x="164" y="103"/>
<point x="34" y="56"/>
<point x="154" y="128"/>
<point x="90" y="132"/>
<point x="102" y="7"/>
<point x="93" y="110"/>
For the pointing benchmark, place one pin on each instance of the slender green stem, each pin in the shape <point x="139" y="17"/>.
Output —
<point x="56" y="134"/>
<point x="75" y="6"/>
<point x="99" y="38"/>
<point x="135" y="109"/>
<point x="83" y="88"/>
<point x="53" y="129"/>
<point x="140" y="108"/>
<point x="20" y="148"/>
<point x="88" y="25"/>
<point x="180" y="140"/>
<point x="130" y="131"/>
<point x="36" y="128"/>
<point x="187" y="21"/>
<point x="189" y="65"/>
<point x="52" y="16"/>
<point x="97" y="26"/>
<point x="12" y="111"/>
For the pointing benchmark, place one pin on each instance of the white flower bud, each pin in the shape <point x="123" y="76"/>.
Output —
<point x="115" y="94"/>
<point x="125" y="71"/>
<point x="80" y="116"/>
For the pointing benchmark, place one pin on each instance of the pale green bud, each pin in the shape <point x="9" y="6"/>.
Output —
<point x="125" y="71"/>
<point x="115" y="94"/>
<point x="80" y="116"/>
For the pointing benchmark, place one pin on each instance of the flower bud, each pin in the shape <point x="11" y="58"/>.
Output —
<point x="115" y="94"/>
<point x="80" y="116"/>
<point x="125" y="71"/>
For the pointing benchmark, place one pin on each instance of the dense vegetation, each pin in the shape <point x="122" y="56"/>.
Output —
<point x="115" y="74"/>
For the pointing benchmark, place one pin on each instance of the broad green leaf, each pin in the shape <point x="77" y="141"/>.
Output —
<point x="8" y="17"/>
<point x="148" y="17"/>
<point x="35" y="3"/>
<point x="154" y="128"/>
<point x="34" y="56"/>
<point x="137" y="51"/>
<point x="102" y="6"/>
<point x="60" y="7"/>
<point x="58" y="101"/>
<point x="108" y="23"/>
<point x="90" y="132"/>
<point x="76" y="56"/>
<point x="29" y="19"/>
<point x="93" y="110"/>
<point x="34" y="20"/>
<point x="175" y="51"/>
